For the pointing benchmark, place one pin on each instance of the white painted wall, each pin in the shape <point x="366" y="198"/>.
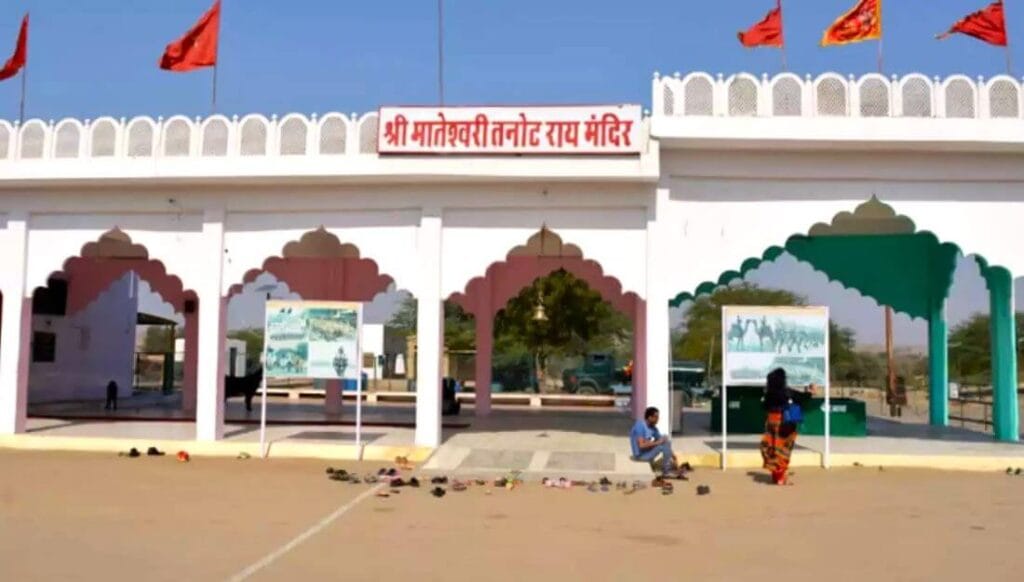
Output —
<point x="94" y="346"/>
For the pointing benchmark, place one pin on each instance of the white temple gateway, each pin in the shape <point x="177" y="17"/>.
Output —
<point x="878" y="182"/>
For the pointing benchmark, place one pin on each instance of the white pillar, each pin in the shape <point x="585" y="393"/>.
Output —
<point x="658" y="329"/>
<point x="16" y="327"/>
<point x="429" y="331"/>
<point x="212" y="327"/>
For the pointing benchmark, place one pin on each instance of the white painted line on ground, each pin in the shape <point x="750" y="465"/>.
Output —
<point x="317" y="528"/>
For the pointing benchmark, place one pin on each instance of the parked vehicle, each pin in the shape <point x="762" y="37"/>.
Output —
<point x="598" y="374"/>
<point x="690" y="378"/>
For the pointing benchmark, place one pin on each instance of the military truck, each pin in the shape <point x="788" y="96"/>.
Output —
<point x="597" y="375"/>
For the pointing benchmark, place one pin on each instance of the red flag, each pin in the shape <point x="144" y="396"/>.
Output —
<point x="768" y="32"/>
<point x="20" y="57"/>
<point x="198" y="48"/>
<point x="987" y="25"/>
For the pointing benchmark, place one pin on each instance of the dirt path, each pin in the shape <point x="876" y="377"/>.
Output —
<point x="86" y="517"/>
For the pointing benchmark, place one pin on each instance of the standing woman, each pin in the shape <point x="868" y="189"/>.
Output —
<point x="780" y="427"/>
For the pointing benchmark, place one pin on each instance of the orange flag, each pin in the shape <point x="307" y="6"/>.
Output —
<point x="768" y="32"/>
<point x="862" y="22"/>
<point x="198" y="48"/>
<point x="19" y="59"/>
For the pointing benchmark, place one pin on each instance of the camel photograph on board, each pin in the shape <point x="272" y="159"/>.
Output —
<point x="758" y="339"/>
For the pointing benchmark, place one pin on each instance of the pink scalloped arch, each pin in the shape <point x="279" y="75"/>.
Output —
<point x="508" y="278"/>
<point x="325" y="278"/>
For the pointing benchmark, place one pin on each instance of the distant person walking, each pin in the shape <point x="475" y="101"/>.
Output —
<point x="780" y="429"/>
<point x="111" y="396"/>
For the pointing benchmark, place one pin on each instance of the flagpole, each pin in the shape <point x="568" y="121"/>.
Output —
<point x="440" y="51"/>
<point x="881" y="62"/>
<point x="1009" y="53"/>
<point x="21" y="108"/>
<point x="213" y="105"/>
<point x="782" y="47"/>
<point x="216" y="63"/>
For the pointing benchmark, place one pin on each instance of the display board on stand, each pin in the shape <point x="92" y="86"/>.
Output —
<point x="313" y="339"/>
<point x="759" y="339"/>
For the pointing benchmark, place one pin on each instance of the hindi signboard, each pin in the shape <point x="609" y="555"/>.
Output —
<point x="756" y="340"/>
<point x="611" y="129"/>
<point x="313" y="339"/>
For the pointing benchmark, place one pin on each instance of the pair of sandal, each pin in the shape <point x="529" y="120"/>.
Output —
<point x="403" y="463"/>
<point x="134" y="453"/>
<point x="560" y="483"/>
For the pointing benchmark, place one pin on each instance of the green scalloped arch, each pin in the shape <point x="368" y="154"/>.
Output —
<point x="908" y="272"/>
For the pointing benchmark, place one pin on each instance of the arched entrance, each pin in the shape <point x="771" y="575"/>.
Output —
<point x="542" y="254"/>
<point x="883" y="256"/>
<point x="84" y="332"/>
<point x="317" y="266"/>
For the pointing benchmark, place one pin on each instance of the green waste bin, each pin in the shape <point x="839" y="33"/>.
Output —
<point x="849" y="418"/>
<point x="745" y="411"/>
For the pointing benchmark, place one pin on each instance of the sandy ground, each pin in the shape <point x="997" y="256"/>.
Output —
<point x="88" y="517"/>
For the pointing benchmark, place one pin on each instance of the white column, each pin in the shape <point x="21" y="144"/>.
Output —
<point x="429" y="331"/>
<point x="16" y="327"/>
<point x="212" y="327"/>
<point x="658" y="331"/>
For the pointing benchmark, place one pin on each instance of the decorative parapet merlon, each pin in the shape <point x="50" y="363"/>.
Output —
<point x="832" y="95"/>
<point x="180" y="137"/>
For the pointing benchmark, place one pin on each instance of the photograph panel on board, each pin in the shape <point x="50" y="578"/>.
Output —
<point x="759" y="339"/>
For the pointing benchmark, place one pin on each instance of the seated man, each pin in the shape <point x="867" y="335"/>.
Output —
<point x="648" y="444"/>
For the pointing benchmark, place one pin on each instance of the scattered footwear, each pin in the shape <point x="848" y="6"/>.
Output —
<point x="371" y="479"/>
<point x="439" y="480"/>
<point x="458" y="486"/>
<point x="604" y="482"/>
<point x="398" y="482"/>
<point x="480" y="482"/>
<point x="355" y="480"/>
<point x="1018" y="472"/>
<point x="414" y="482"/>
<point x="330" y="470"/>
<point x="133" y="453"/>
<point x="500" y="483"/>
<point x="154" y="452"/>
<point x="183" y="456"/>
<point x="438" y="492"/>
<point x="592" y="488"/>
<point x="686" y="467"/>
<point x="383" y="494"/>
<point x="667" y="488"/>
<point x="241" y="456"/>
<point x="703" y="490"/>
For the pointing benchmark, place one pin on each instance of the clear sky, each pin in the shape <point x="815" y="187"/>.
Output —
<point x="94" y="57"/>
<point x="98" y="57"/>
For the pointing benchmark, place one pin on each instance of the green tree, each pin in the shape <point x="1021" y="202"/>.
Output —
<point x="578" y="320"/>
<point x="459" y="326"/>
<point x="970" y="349"/>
